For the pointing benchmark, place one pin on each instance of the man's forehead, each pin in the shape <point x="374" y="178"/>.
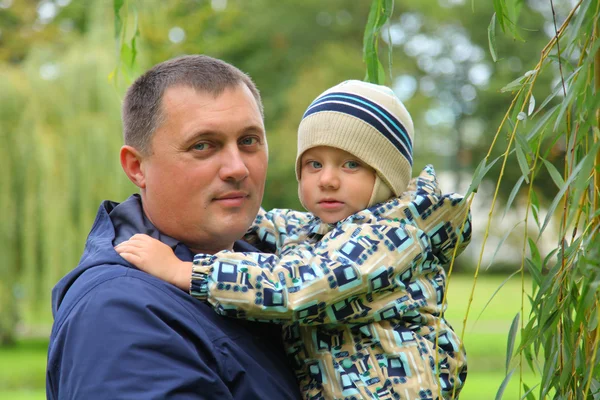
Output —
<point x="183" y="107"/>
<point x="179" y="95"/>
<point x="176" y="95"/>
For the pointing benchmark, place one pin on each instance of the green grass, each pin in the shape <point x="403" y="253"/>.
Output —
<point x="22" y="368"/>
<point x="486" y="334"/>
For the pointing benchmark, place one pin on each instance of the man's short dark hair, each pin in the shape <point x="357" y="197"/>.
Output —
<point x="142" y="107"/>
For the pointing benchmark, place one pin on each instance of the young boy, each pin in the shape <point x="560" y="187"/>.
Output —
<point x="357" y="283"/>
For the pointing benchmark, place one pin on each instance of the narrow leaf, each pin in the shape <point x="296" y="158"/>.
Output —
<point x="545" y="120"/>
<point x="535" y="273"/>
<point x="512" y="335"/>
<point x="513" y="194"/>
<point x="531" y="105"/>
<point x="522" y="160"/>
<point x="481" y="170"/>
<point x="529" y="392"/>
<point x="584" y="167"/>
<point x="535" y="207"/>
<point x="536" y="257"/>
<point x="558" y="89"/>
<point x="504" y="237"/>
<point x="496" y="292"/>
<point x="516" y="84"/>
<point x="492" y="38"/>
<point x="554" y="174"/>
<point x="499" y="11"/>
<point x="502" y="387"/>
<point x="117" y="5"/>
<point x="522" y="141"/>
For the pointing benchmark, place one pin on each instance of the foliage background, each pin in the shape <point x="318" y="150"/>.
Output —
<point x="60" y="127"/>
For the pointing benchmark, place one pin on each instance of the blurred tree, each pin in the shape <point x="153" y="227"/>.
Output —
<point x="60" y="115"/>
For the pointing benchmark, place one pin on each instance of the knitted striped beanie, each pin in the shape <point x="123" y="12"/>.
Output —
<point x="368" y="121"/>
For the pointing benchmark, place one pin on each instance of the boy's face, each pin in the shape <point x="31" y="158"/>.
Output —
<point x="334" y="184"/>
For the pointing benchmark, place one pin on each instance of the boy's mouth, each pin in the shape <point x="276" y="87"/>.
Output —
<point x="330" y="204"/>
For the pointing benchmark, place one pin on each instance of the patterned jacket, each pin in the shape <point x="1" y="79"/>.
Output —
<point x="360" y="300"/>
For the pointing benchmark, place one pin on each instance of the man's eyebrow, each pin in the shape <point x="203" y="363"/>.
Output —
<point x="210" y="133"/>
<point x="253" y="128"/>
<point x="201" y="134"/>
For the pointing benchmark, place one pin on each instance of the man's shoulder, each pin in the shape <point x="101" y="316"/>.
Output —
<point x="103" y="287"/>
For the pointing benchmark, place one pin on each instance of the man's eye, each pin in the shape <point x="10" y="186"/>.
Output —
<point x="249" y="141"/>
<point x="352" y="164"/>
<point x="201" y="146"/>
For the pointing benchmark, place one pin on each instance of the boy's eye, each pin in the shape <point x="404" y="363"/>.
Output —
<point x="315" y="164"/>
<point x="351" y="164"/>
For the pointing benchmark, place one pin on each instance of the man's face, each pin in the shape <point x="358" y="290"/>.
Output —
<point x="204" y="177"/>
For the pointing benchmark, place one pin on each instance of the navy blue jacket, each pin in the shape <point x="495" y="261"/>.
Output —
<point x="120" y="333"/>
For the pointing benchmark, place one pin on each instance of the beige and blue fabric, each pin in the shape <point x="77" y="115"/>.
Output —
<point x="361" y="300"/>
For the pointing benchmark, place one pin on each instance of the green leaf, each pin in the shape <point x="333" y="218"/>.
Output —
<point x="502" y="387"/>
<point x="517" y="83"/>
<point x="496" y="292"/>
<point x="492" y="38"/>
<point x="528" y="392"/>
<point x="572" y="92"/>
<point x="584" y="167"/>
<point x="136" y="34"/>
<point x="481" y="170"/>
<point x="558" y="89"/>
<point x="531" y="107"/>
<point x="512" y="335"/>
<point x="535" y="207"/>
<point x="534" y="271"/>
<point x="117" y="5"/>
<point x="513" y="194"/>
<point x="379" y="14"/>
<point x="522" y="160"/>
<point x="545" y="120"/>
<point x="523" y="143"/>
<point x="535" y="253"/>
<point x="513" y="10"/>
<point x="126" y="54"/>
<point x="554" y="174"/>
<point x="499" y="8"/>
<point x="575" y="26"/>
<point x="551" y="320"/>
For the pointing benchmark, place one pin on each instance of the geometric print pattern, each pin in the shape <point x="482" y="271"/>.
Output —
<point x="360" y="301"/>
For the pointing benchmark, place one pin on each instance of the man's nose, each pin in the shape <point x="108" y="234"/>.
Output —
<point x="233" y="166"/>
<point x="329" y="179"/>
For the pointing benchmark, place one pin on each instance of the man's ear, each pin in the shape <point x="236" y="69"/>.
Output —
<point x="131" y="162"/>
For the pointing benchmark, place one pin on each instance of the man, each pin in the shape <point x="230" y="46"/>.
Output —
<point x="195" y="145"/>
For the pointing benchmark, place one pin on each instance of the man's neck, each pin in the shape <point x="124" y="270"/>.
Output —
<point x="209" y="249"/>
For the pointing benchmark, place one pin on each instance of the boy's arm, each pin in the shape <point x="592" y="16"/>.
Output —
<point x="445" y="218"/>
<point x="328" y="283"/>
<point x="156" y="258"/>
<point x="275" y="226"/>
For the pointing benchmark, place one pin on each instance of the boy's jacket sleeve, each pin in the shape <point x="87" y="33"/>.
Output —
<point x="275" y="226"/>
<point x="352" y="275"/>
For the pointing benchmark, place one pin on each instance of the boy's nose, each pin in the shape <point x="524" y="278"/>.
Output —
<point x="329" y="179"/>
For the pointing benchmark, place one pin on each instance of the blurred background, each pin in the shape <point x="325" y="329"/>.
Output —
<point x="60" y="131"/>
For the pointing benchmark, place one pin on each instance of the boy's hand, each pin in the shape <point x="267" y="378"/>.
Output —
<point x="156" y="258"/>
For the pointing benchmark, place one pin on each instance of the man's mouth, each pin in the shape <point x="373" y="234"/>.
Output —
<point x="232" y="199"/>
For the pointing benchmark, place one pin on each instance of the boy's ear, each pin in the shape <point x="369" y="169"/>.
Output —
<point x="131" y="162"/>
